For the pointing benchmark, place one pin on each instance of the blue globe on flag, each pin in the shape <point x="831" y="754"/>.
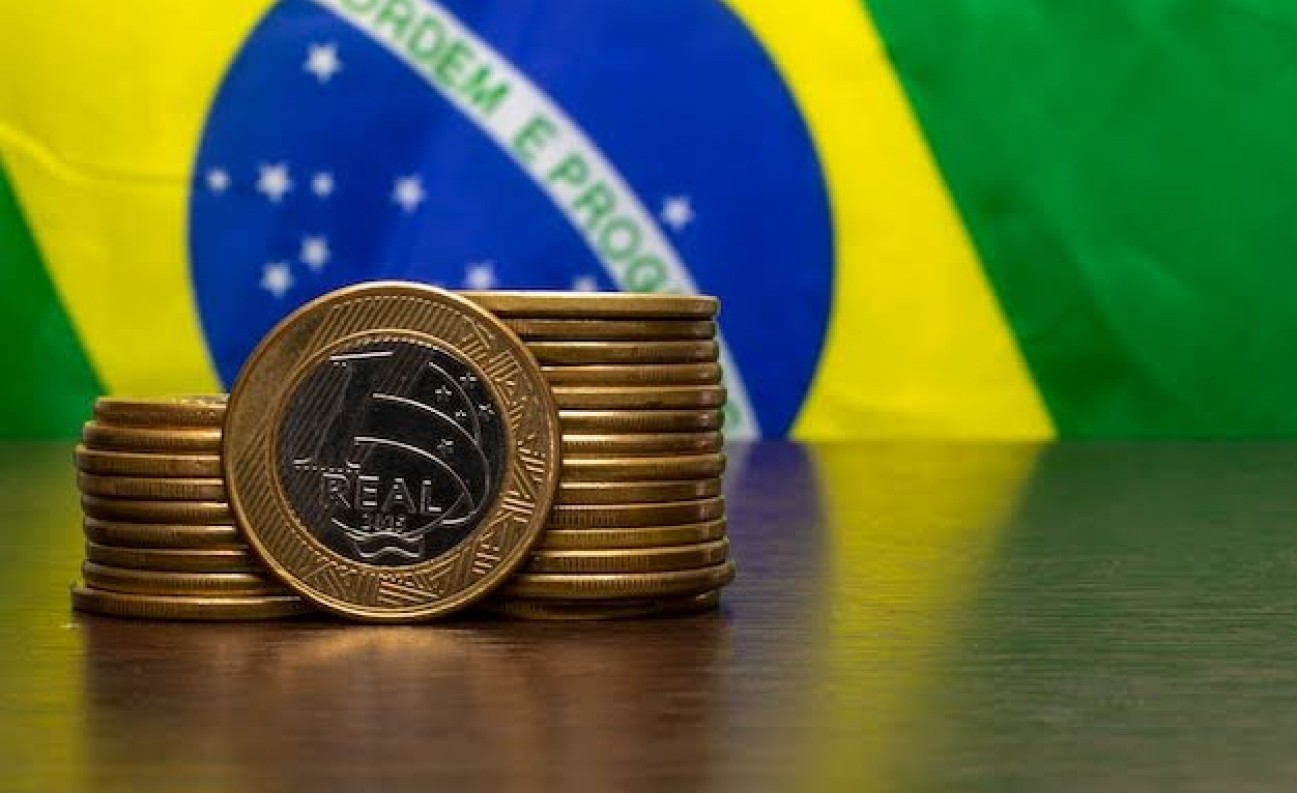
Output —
<point x="583" y="145"/>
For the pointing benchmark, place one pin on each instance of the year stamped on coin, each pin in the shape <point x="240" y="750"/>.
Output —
<point x="391" y="452"/>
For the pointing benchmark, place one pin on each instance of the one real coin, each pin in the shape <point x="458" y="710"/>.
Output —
<point x="458" y="461"/>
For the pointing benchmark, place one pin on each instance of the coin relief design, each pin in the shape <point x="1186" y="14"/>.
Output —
<point x="390" y="452"/>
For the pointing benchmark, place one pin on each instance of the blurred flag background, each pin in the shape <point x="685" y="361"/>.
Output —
<point x="970" y="218"/>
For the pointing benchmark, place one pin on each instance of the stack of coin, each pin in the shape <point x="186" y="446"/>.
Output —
<point x="160" y="540"/>
<point x="638" y="523"/>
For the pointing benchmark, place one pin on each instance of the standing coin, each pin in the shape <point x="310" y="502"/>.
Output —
<point x="640" y="421"/>
<point x="618" y="586"/>
<point x="96" y="461"/>
<point x="391" y="451"/>
<point x="185" y="411"/>
<point x="611" y="469"/>
<point x="626" y="492"/>
<point x="625" y="516"/>
<point x="623" y="352"/>
<point x="142" y="511"/>
<point x="619" y="610"/>
<point x="150" y="582"/>
<point x="629" y="560"/>
<point x="205" y="440"/>
<point x="641" y="537"/>
<point x="679" y="397"/>
<point x="634" y="374"/>
<point x="611" y="329"/>
<point x="155" y="487"/>
<point x="199" y="560"/>
<point x="163" y="607"/>
<point x="604" y="305"/>
<point x="161" y="535"/>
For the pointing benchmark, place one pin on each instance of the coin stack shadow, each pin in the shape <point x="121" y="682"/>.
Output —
<point x="160" y="539"/>
<point x="638" y="524"/>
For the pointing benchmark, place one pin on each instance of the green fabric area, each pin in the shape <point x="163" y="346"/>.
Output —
<point x="48" y="385"/>
<point x="1128" y="172"/>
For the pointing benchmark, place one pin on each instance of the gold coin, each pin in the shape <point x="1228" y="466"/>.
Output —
<point x="617" y="586"/>
<point x="162" y="535"/>
<point x="630" y="560"/>
<point x="645" y="444"/>
<point x="96" y="461"/>
<point x="628" y="492"/>
<point x="183" y="411"/>
<point x="177" y="560"/>
<point x="625" y="516"/>
<point x="577" y="353"/>
<point x="152" y="582"/>
<point x="461" y="452"/>
<point x="165" y="607"/>
<point x="155" y="487"/>
<point x="205" y="440"/>
<point x="132" y="510"/>
<point x="601" y="305"/>
<point x="679" y="397"/>
<point x="610" y="469"/>
<point x="628" y="609"/>
<point x="641" y="374"/>
<point x="639" y="421"/>
<point x="611" y="329"/>
<point x="641" y="537"/>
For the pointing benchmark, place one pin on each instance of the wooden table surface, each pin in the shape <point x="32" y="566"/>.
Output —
<point x="906" y="617"/>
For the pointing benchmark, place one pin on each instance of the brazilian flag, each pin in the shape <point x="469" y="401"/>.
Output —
<point x="963" y="219"/>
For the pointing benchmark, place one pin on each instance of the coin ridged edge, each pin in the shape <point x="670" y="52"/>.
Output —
<point x="629" y="560"/>
<point x="188" y="609"/>
<point x="144" y="464"/>
<point x="601" y="305"/>
<point x="639" y="537"/>
<point x="618" y="586"/>
<point x="585" y="611"/>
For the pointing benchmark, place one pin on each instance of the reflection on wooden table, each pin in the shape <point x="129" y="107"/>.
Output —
<point x="907" y="616"/>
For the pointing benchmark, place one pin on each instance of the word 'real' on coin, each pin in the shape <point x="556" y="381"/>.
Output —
<point x="391" y="451"/>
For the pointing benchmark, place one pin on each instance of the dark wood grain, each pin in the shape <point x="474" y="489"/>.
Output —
<point x="907" y="616"/>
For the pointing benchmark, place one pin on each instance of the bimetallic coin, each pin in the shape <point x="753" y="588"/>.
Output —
<point x="602" y="305"/>
<point x="163" y="607"/>
<point x="629" y="560"/>
<point x="161" y="535"/>
<point x="391" y="451"/>
<point x="639" y="421"/>
<point x="141" y="511"/>
<point x="624" y="516"/>
<point x="623" y="352"/>
<point x="151" y="582"/>
<point x="641" y="537"/>
<point x="680" y="397"/>
<point x="611" y="469"/>
<point x="617" y="586"/>
<point x="181" y="411"/>
<point x="205" y="440"/>
<point x="159" y="488"/>
<point x="177" y="560"/>
<point x="611" y="329"/>
<point x="620" y="610"/>
<point x="634" y="374"/>
<point x="633" y="445"/>
<point x="96" y="461"/>
<point x="628" y="492"/>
